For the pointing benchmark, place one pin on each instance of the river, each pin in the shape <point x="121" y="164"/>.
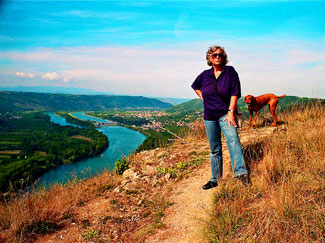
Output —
<point x="122" y="141"/>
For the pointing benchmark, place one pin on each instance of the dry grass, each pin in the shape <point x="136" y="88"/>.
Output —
<point x="286" y="202"/>
<point x="25" y="216"/>
<point x="155" y="210"/>
<point x="197" y="132"/>
<point x="10" y="152"/>
<point x="82" y="138"/>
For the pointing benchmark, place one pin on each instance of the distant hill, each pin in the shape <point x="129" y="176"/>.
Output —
<point x="54" y="90"/>
<point x="173" y="101"/>
<point x="190" y="106"/>
<point x="196" y="104"/>
<point x="28" y="101"/>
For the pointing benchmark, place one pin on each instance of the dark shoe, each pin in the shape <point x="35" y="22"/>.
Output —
<point x="244" y="179"/>
<point x="209" y="185"/>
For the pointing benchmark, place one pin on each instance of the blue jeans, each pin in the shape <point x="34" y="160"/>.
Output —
<point x="213" y="130"/>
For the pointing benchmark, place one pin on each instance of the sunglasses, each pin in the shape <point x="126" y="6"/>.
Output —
<point x="215" y="55"/>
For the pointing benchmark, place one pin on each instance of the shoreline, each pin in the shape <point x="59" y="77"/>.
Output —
<point x="147" y="135"/>
<point x="95" y="116"/>
<point x="90" y="157"/>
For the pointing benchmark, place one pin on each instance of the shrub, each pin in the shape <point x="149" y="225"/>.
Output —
<point x="162" y="171"/>
<point x="121" y="165"/>
<point x="91" y="234"/>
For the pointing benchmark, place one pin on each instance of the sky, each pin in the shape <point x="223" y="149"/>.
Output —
<point x="157" y="48"/>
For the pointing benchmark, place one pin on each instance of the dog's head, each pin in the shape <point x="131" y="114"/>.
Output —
<point x="249" y="99"/>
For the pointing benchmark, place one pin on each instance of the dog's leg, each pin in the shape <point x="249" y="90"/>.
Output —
<point x="250" y="119"/>
<point x="273" y="105"/>
<point x="255" y="119"/>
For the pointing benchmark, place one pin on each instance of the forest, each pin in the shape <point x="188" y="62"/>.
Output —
<point x="30" y="145"/>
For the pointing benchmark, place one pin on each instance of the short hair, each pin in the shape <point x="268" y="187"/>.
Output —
<point x="211" y="50"/>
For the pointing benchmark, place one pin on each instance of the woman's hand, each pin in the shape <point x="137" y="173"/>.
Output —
<point x="231" y="116"/>
<point x="231" y="119"/>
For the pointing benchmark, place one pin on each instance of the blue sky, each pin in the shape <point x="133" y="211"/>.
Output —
<point x="157" y="48"/>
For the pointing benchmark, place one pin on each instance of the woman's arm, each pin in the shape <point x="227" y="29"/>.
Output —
<point x="230" y="116"/>
<point x="199" y="93"/>
<point x="233" y="103"/>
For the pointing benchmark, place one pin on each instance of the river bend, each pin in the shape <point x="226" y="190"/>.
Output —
<point x="122" y="141"/>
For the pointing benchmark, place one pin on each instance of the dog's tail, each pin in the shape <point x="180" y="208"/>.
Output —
<point x="281" y="96"/>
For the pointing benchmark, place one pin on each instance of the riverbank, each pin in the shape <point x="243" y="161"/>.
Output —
<point x="156" y="126"/>
<point x="152" y="138"/>
<point x="122" y="141"/>
<point x="158" y="134"/>
<point x="75" y="120"/>
<point x="44" y="145"/>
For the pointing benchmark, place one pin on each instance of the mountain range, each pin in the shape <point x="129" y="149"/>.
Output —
<point x="28" y="101"/>
<point x="79" y="91"/>
<point x="55" y="90"/>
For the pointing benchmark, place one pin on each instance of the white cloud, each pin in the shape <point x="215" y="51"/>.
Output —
<point x="22" y="75"/>
<point x="264" y="66"/>
<point x="30" y="75"/>
<point x="51" y="76"/>
<point x="54" y="76"/>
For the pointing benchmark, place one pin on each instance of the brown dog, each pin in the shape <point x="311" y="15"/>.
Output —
<point x="256" y="103"/>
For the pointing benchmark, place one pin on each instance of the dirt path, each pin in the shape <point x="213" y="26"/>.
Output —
<point x="186" y="219"/>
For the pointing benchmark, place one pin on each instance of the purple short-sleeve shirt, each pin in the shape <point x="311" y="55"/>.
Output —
<point x="217" y="92"/>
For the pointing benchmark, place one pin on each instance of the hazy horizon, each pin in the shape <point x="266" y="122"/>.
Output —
<point x="157" y="48"/>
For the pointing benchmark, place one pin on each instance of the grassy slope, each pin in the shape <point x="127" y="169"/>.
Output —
<point x="285" y="203"/>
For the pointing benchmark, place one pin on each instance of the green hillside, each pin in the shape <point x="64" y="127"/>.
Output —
<point x="28" y="101"/>
<point x="197" y="105"/>
<point x="192" y="105"/>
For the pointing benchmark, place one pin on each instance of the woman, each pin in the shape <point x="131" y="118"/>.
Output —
<point x="219" y="89"/>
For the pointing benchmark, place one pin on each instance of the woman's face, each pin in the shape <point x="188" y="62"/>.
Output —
<point x="217" y="57"/>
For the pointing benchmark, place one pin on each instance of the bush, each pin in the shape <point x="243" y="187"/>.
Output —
<point x="121" y="165"/>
